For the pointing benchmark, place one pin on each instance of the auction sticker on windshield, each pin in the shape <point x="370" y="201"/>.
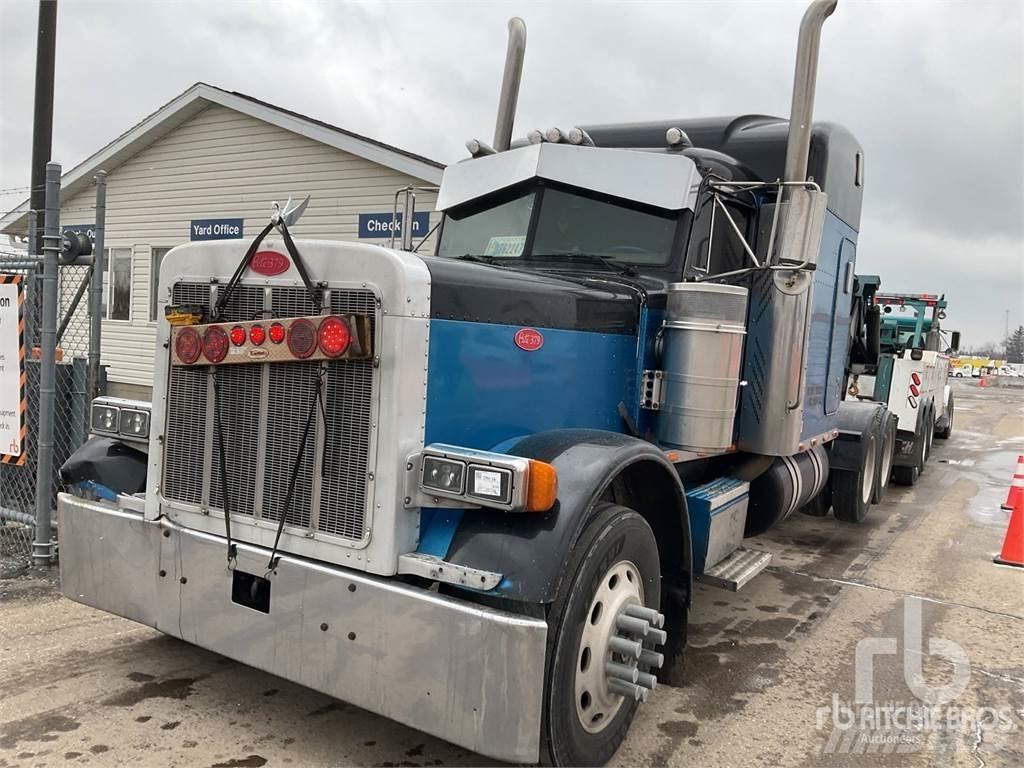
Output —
<point x="506" y="246"/>
<point x="12" y="372"/>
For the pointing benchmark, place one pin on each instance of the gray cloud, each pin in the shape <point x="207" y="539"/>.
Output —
<point x="933" y="90"/>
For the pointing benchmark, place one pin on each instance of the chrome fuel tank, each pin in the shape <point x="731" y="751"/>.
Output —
<point x="701" y="352"/>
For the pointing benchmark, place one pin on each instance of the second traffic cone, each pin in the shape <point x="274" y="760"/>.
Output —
<point x="1016" y="486"/>
<point x="1013" y="545"/>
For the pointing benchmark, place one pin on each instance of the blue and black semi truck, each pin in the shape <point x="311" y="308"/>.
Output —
<point x="472" y="491"/>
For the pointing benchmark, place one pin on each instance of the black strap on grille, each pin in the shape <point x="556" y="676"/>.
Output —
<point x="293" y="478"/>
<point x="300" y="266"/>
<point x="232" y="550"/>
<point x="218" y="310"/>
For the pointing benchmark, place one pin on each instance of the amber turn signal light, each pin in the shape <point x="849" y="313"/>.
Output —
<point x="542" y="488"/>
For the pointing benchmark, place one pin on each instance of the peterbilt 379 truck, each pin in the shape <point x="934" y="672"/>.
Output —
<point x="471" y="491"/>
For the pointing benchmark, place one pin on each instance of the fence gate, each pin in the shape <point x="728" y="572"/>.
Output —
<point x="21" y="493"/>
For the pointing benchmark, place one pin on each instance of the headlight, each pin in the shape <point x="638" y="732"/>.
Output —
<point x="105" y="418"/>
<point x="490" y="484"/>
<point x="487" y="479"/>
<point x="134" y="423"/>
<point x="444" y="475"/>
<point x="121" y="417"/>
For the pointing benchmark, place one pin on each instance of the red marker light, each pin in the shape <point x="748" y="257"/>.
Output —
<point x="187" y="345"/>
<point x="238" y="335"/>
<point x="915" y="378"/>
<point x="257" y="335"/>
<point x="302" y="338"/>
<point x="333" y="336"/>
<point x="215" y="344"/>
<point x="277" y="333"/>
<point x="914" y="390"/>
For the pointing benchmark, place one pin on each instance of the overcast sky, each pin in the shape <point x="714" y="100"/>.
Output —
<point x="933" y="90"/>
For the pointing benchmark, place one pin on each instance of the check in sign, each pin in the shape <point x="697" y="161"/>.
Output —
<point x="216" y="229"/>
<point x="379" y="225"/>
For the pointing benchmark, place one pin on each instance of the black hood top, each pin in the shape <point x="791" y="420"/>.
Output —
<point x="570" y="299"/>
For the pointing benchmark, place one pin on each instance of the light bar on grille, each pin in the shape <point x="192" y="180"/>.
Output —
<point x="275" y="340"/>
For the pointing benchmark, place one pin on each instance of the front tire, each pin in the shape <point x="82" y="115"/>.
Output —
<point x="615" y="560"/>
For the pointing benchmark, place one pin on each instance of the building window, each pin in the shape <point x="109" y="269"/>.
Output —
<point x="117" y="292"/>
<point x="154" y="280"/>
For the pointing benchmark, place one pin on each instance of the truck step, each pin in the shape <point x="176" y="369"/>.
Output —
<point x="737" y="569"/>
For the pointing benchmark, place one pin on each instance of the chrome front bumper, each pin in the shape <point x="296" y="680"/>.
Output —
<point x="467" y="674"/>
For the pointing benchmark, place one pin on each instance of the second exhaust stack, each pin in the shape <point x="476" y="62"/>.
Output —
<point x="510" y="84"/>
<point x="804" y="78"/>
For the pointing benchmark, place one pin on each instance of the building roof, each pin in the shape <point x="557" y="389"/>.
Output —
<point x="197" y="98"/>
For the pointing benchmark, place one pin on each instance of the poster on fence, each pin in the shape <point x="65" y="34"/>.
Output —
<point x="12" y="371"/>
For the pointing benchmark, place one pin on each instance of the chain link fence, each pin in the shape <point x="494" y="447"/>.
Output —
<point x="19" y="490"/>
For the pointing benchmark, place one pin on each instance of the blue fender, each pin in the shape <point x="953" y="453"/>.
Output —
<point x="530" y="549"/>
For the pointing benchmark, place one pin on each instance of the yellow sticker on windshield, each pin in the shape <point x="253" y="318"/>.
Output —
<point x="507" y="246"/>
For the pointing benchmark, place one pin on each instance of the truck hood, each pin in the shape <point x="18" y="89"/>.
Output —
<point x="481" y="293"/>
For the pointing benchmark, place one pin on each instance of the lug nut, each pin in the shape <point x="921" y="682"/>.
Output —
<point x="658" y="636"/>
<point x="632" y="625"/>
<point x="645" y="680"/>
<point x="651" y="658"/>
<point x="621" y="671"/>
<point x="649" y="615"/>
<point x="628" y="690"/>
<point x="629" y="648"/>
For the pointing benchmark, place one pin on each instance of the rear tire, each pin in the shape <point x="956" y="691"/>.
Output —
<point x="852" y="490"/>
<point x="909" y="473"/>
<point x="821" y="504"/>
<point x="615" y="536"/>
<point x="929" y="436"/>
<point x="887" y="448"/>
<point x="947" y="430"/>
<point x="906" y="475"/>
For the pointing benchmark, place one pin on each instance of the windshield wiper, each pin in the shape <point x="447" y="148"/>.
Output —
<point x="591" y="258"/>
<point x="491" y="260"/>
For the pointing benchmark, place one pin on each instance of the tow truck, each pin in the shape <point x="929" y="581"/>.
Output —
<point x="911" y="375"/>
<point x="472" y="491"/>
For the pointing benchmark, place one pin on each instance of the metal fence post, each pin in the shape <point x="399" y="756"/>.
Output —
<point x="99" y="265"/>
<point x="42" y="546"/>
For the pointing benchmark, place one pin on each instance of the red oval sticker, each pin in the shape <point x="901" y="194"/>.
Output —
<point x="529" y="339"/>
<point x="269" y="263"/>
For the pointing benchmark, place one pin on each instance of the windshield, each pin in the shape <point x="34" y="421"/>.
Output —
<point x="567" y="226"/>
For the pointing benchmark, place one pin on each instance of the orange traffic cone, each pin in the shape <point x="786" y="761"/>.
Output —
<point x="1013" y="544"/>
<point x="982" y="382"/>
<point x="1016" y="486"/>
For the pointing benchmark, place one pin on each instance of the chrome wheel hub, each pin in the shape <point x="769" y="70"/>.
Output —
<point x="612" y="663"/>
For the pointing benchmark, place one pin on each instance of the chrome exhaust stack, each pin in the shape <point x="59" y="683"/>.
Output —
<point x="514" y="56"/>
<point x="804" y="79"/>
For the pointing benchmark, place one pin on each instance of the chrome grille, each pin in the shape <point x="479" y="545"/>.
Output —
<point x="263" y="408"/>
<point x="185" y="433"/>
<point x="349" y="399"/>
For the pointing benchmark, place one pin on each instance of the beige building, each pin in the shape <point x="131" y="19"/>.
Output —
<point x="194" y="168"/>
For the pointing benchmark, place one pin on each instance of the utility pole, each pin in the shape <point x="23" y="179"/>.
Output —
<point x="42" y="119"/>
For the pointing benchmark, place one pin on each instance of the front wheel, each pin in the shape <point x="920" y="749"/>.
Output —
<point x="613" y="567"/>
